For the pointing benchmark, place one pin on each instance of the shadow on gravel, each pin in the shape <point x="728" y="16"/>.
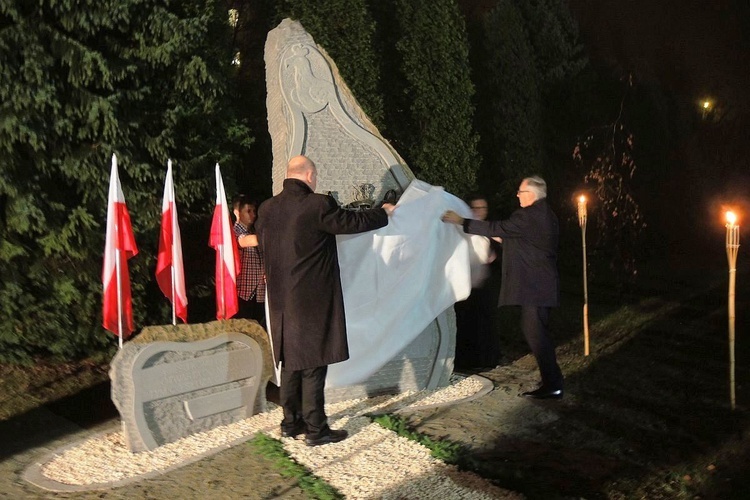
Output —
<point x="35" y="428"/>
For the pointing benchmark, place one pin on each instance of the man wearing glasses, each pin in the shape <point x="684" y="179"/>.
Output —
<point x="529" y="273"/>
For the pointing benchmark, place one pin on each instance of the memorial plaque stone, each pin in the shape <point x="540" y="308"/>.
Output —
<point x="165" y="391"/>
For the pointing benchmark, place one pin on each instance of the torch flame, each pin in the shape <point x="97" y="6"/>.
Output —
<point x="731" y="218"/>
<point x="581" y="199"/>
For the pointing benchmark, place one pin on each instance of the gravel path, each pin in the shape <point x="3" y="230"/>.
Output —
<point x="372" y="463"/>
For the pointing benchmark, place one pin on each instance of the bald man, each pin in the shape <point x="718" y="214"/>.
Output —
<point x="297" y="232"/>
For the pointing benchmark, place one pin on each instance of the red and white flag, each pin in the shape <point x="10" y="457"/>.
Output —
<point x="227" y="256"/>
<point x="119" y="247"/>
<point x="170" y="272"/>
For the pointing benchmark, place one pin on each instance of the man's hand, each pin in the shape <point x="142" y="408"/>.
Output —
<point x="248" y="240"/>
<point x="452" y="217"/>
<point x="389" y="208"/>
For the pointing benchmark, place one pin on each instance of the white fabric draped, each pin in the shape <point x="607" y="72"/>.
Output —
<point x="398" y="279"/>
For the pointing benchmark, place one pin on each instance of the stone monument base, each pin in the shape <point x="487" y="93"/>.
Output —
<point x="171" y="382"/>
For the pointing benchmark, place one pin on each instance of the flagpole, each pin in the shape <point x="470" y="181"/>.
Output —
<point x="174" y="316"/>
<point x="119" y="295"/>
<point x="221" y="273"/>
<point x="173" y="220"/>
<point x="117" y="271"/>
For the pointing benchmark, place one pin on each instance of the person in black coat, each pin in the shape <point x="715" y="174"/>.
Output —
<point x="477" y="342"/>
<point x="296" y="230"/>
<point x="529" y="273"/>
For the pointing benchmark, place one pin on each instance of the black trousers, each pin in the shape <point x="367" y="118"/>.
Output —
<point x="535" y="327"/>
<point x="477" y="342"/>
<point x="302" y="397"/>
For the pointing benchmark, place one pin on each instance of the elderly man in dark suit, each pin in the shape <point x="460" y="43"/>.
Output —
<point x="296" y="230"/>
<point x="529" y="273"/>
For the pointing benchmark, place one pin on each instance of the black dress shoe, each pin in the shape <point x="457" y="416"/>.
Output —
<point x="544" y="393"/>
<point x="298" y="428"/>
<point x="332" y="436"/>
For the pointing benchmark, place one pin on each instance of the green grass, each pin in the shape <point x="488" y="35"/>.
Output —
<point x="446" y="451"/>
<point x="273" y="449"/>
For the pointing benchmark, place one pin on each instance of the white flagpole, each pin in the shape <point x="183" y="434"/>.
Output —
<point x="174" y="313"/>
<point x="223" y="296"/>
<point x="221" y="201"/>
<point x="119" y="293"/>
<point x="117" y="265"/>
<point x="172" y="222"/>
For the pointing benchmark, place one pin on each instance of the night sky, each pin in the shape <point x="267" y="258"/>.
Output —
<point x="693" y="48"/>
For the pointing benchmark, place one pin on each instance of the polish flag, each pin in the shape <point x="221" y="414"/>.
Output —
<point x="170" y="273"/>
<point x="119" y="247"/>
<point x="227" y="256"/>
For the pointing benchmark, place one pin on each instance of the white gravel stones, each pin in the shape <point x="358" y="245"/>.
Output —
<point x="376" y="463"/>
<point x="372" y="463"/>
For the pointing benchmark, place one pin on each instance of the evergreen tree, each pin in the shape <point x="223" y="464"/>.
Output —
<point x="80" y="80"/>
<point x="529" y="56"/>
<point x="553" y="35"/>
<point x="559" y="61"/>
<point x="510" y="110"/>
<point x="432" y="112"/>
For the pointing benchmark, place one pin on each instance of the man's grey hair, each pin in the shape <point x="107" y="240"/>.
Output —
<point x="537" y="186"/>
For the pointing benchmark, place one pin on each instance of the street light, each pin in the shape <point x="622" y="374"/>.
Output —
<point x="733" y="244"/>
<point x="582" y="216"/>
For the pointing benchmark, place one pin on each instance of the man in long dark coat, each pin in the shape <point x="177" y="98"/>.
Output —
<point x="297" y="229"/>
<point x="529" y="273"/>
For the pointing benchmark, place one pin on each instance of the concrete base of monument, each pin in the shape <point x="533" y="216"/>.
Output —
<point x="103" y="460"/>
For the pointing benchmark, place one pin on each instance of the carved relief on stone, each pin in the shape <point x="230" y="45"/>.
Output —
<point x="312" y="112"/>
